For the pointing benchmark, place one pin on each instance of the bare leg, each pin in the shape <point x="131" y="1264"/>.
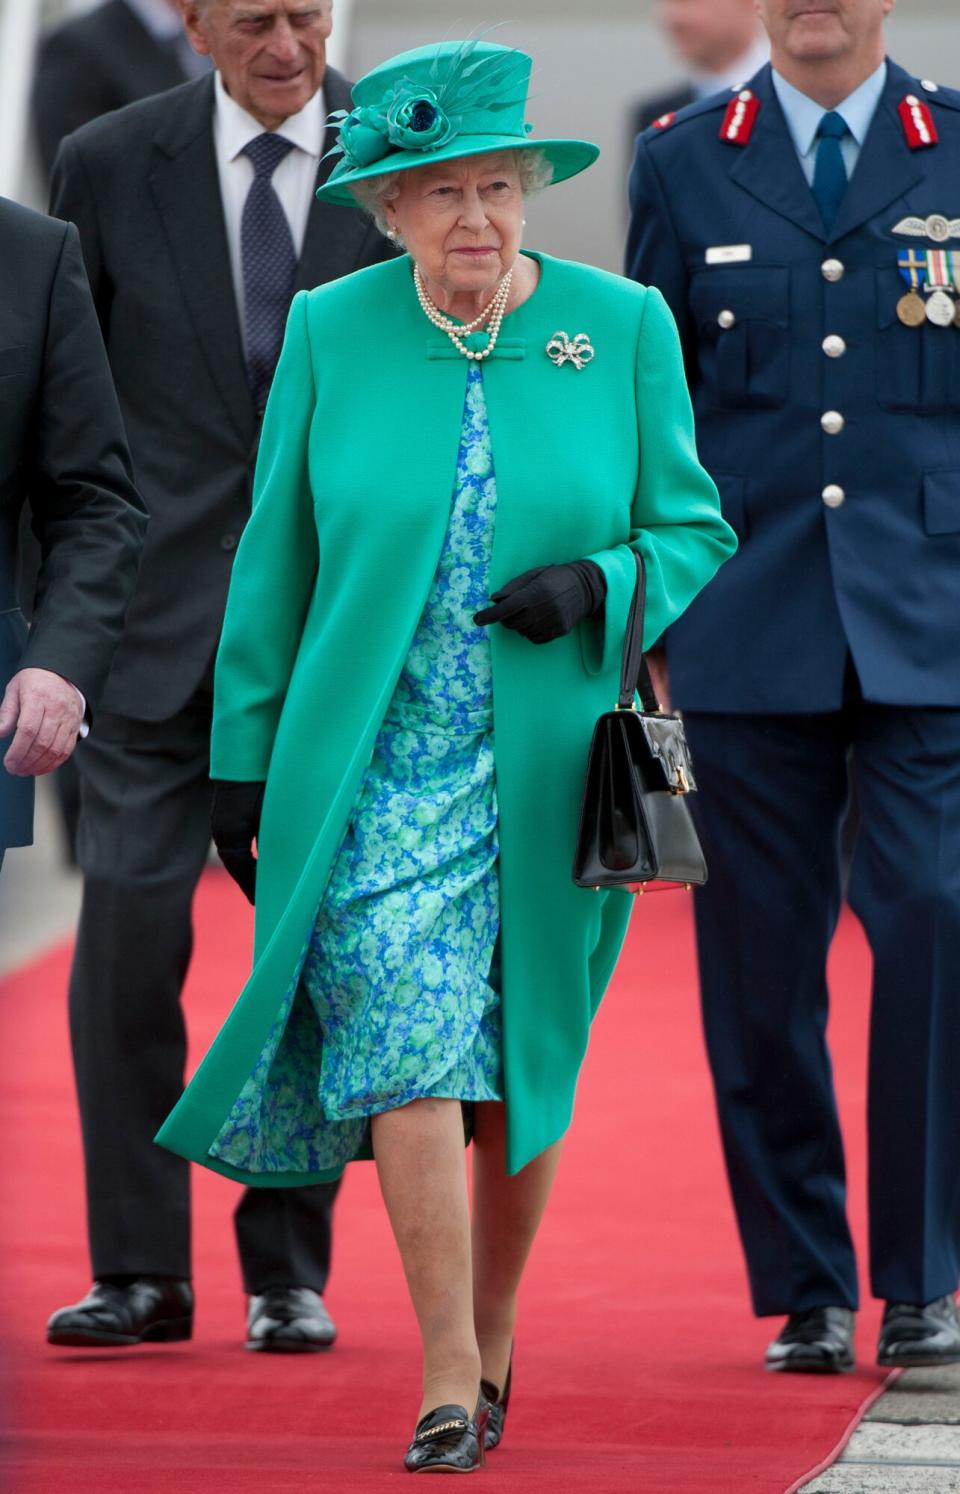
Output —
<point x="420" y="1161"/>
<point x="506" y="1215"/>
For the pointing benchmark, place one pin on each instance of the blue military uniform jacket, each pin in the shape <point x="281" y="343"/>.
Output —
<point x="831" y="428"/>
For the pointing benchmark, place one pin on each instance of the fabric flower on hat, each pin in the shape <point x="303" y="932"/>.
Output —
<point x="415" y="121"/>
<point x="363" y="136"/>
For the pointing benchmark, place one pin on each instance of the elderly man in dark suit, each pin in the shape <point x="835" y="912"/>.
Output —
<point x="120" y="51"/>
<point x="198" y="221"/>
<point x="64" y="454"/>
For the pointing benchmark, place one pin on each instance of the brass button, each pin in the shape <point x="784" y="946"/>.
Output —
<point x="832" y="422"/>
<point x="833" y="495"/>
<point x="726" y="319"/>
<point x="834" y="346"/>
<point x="832" y="269"/>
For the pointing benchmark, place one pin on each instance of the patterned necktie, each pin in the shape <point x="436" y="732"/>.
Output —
<point x="830" y="173"/>
<point x="269" y="263"/>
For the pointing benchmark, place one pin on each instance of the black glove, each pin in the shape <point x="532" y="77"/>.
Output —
<point x="547" y="602"/>
<point x="235" y="825"/>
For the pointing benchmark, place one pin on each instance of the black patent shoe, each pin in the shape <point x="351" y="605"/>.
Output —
<point x="817" y="1342"/>
<point x="117" y="1315"/>
<point x="919" y="1337"/>
<point x="496" y="1403"/>
<point x="447" y="1440"/>
<point x="289" y="1320"/>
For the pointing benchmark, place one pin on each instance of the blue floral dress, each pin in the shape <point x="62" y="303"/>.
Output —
<point x="400" y="967"/>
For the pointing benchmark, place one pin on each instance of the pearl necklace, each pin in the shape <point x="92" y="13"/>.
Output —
<point x="456" y="331"/>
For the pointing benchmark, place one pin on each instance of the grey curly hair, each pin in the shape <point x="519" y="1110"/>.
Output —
<point x="536" y="172"/>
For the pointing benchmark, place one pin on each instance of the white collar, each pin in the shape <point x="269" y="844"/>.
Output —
<point x="236" y="128"/>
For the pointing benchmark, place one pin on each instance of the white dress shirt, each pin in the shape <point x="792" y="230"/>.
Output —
<point x="803" y="116"/>
<point x="294" y="180"/>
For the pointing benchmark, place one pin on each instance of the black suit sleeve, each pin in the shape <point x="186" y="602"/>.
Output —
<point x="86" y="511"/>
<point x="72" y="200"/>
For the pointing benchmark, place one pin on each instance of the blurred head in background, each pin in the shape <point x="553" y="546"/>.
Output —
<point x="711" y="36"/>
<point x="271" y="54"/>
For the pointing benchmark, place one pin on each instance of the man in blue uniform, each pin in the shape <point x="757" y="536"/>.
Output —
<point x="805" y="230"/>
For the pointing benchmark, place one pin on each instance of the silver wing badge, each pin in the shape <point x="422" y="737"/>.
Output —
<point x="937" y="227"/>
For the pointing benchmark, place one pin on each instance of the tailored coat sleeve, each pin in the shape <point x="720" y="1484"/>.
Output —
<point x="72" y="199"/>
<point x="85" y="509"/>
<point x="676" y="522"/>
<point x="654" y="255"/>
<point x="274" y="573"/>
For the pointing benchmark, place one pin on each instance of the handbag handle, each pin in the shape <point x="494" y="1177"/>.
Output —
<point x="634" y="670"/>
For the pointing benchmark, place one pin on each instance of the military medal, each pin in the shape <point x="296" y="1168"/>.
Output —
<point x="939" y="309"/>
<point x="911" y="310"/>
<point x="940" y="306"/>
<point x="913" y="269"/>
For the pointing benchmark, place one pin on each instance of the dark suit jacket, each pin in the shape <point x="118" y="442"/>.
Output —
<point x="94" y="63"/>
<point x="143" y="189"/>
<point x="63" y="451"/>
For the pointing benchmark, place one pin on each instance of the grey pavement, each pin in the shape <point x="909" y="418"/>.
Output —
<point x="909" y="1441"/>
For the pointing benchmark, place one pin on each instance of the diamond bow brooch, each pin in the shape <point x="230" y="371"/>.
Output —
<point x="580" y="351"/>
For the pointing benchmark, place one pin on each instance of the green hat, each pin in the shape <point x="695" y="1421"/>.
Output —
<point x="441" y="103"/>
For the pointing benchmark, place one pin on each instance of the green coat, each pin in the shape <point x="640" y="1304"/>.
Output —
<point x="354" y="481"/>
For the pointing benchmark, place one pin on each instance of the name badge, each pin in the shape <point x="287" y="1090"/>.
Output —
<point x="729" y="254"/>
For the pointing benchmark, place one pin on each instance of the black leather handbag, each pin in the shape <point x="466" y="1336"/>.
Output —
<point x="636" y="830"/>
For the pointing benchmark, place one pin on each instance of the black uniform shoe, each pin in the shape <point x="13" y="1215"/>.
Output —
<point x="117" y="1314"/>
<point x="289" y="1320"/>
<point x="919" y="1337"/>
<point x="817" y="1342"/>
<point x="447" y="1440"/>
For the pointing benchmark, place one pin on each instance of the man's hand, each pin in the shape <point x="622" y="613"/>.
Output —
<point x="47" y="714"/>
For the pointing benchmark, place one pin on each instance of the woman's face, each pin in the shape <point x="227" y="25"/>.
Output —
<point x="461" y="220"/>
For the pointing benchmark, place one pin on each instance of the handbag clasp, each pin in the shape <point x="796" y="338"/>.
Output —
<point x="682" y="785"/>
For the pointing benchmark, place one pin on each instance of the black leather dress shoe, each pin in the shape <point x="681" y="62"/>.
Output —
<point x="447" y="1440"/>
<point x="817" y="1342"/>
<point x="115" y="1315"/>
<point x="289" y="1320"/>
<point x="920" y="1337"/>
<point x="496" y="1402"/>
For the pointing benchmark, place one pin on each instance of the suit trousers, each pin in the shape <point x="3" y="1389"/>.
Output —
<point x="772" y="794"/>
<point x="143" y="841"/>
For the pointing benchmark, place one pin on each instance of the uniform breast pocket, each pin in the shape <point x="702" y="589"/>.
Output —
<point x="918" y="368"/>
<point x="743" y="332"/>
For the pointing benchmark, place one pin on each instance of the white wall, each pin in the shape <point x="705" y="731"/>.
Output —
<point x="591" y="61"/>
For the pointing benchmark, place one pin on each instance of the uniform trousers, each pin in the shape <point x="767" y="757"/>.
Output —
<point x="772" y="794"/>
<point x="143" y="841"/>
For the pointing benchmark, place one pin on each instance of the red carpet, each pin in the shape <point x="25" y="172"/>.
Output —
<point x="638" y="1362"/>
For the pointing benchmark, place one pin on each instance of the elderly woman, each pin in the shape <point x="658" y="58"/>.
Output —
<point x="423" y="957"/>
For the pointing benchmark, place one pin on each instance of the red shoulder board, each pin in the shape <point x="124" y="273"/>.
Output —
<point x="665" y="120"/>
<point x="740" y="118"/>
<point x="917" y="121"/>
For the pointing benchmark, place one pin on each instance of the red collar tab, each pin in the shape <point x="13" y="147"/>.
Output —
<point x="740" y="118"/>
<point x="665" y="120"/>
<point x="917" y="121"/>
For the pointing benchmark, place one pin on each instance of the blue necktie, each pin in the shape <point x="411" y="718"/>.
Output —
<point x="830" y="173"/>
<point x="269" y="263"/>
